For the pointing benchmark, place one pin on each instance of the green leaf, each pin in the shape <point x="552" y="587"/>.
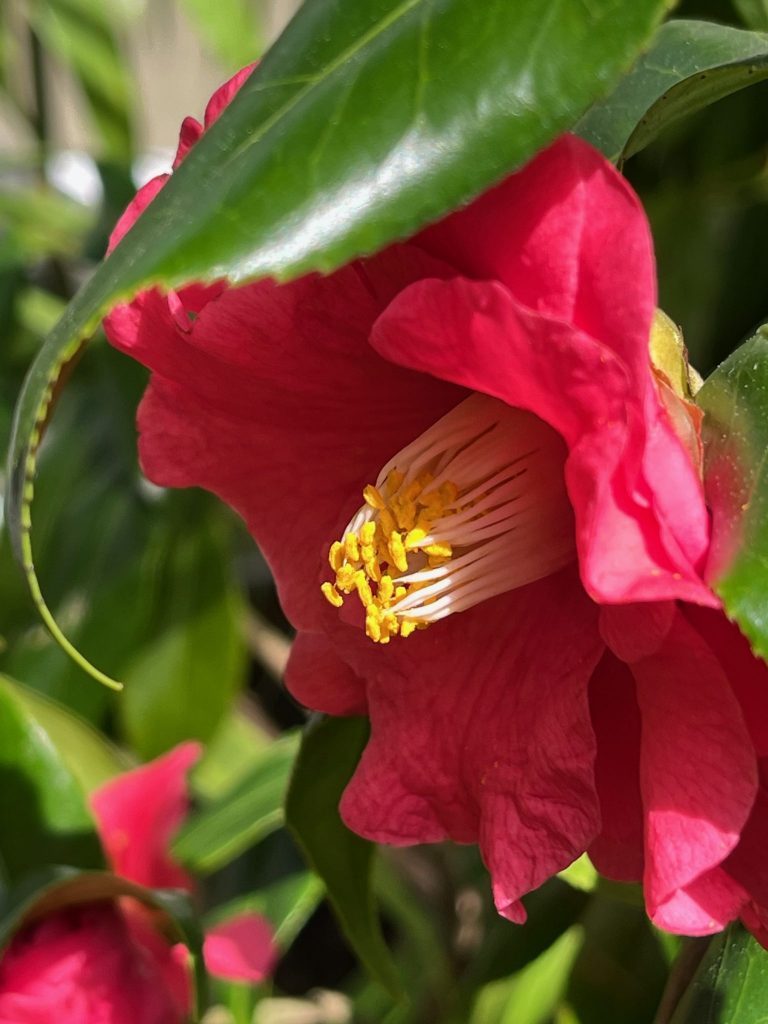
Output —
<point x="329" y="753"/>
<point x="230" y="824"/>
<point x="41" y="222"/>
<point x="731" y="984"/>
<point x="183" y="681"/>
<point x="87" y="753"/>
<point x="286" y="904"/>
<point x="690" y="65"/>
<point x="735" y="444"/>
<point x="552" y="909"/>
<point x="47" y="891"/>
<point x="367" y="119"/>
<point x="236" y="747"/>
<point x="581" y="874"/>
<point x="532" y="995"/>
<point x="229" y="28"/>
<point x="46" y="819"/>
<point x="620" y="972"/>
<point x="754" y="13"/>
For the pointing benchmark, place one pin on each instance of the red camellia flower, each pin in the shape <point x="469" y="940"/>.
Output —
<point x="138" y="814"/>
<point x="106" y="963"/>
<point x="95" y="964"/>
<point x="483" y="508"/>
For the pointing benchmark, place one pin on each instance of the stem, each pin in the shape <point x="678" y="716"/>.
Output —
<point x="40" y="112"/>
<point x="680" y="977"/>
<point x="241" y="1002"/>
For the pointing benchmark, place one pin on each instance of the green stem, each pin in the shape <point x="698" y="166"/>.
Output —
<point x="40" y="112"/>
<point x="241" y="1003"/>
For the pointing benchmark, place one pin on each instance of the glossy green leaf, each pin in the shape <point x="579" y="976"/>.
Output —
<point x="52" y="889"/>
<point x="533" y="995"/>
<point x="240" y="817"/>
<point x="329" y="753"/>
<point x="182" y="682"/>
<point x="46" y="819"/>
<point x="367" y="119"/>
<point x="735" y="402"/>
<point x="690" y="65"/>
<point x="87" y="753"/>
<point x="581" y="874"/>
<point x="229" y="28"/>
<point x="731" y="984"/>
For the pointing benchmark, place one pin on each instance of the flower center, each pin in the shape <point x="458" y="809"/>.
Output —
<point x="472" y="508"/>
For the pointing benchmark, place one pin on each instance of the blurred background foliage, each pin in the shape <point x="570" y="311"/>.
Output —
<point x="167" y="592"/>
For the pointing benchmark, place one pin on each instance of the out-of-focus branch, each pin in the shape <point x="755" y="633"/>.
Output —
<point x="267" y="645"/>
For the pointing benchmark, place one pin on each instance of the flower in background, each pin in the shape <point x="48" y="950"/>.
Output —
<point x="94" y="963"/>
<point x="106" y="963"/>
<point x="464" y="445"/>
<point x="138" y="814"/>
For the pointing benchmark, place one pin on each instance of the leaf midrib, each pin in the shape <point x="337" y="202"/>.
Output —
<point x="316" y="80"/>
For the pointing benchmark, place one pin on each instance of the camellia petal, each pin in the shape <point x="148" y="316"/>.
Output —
<point x="240" y="949"/>
<point x="549" y="234"/>
<point x="704" y="906"/>
<point x="498" y="750"/>
<point x="274" y="399"/>
<point x="698" y="772"/>
<point x="747" y="674"/>
<point x="318" y="678"/>
<point x="138" y="814"/>
<point x="477" y="335"/>
<point x="618" y="850"/>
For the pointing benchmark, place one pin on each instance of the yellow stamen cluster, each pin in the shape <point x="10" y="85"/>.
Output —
<point x="390" y="544"/>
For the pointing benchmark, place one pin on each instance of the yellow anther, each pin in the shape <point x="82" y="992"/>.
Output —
<point x="413" y="490"/>
<point x="352" y="547"/>
<point x="397" y="521"/>
<point x="397" y="551"/>
<point x="415" y="537"/>
<point x="405" y="512"/>
<point x="345" y="579"/>
<point x="386" y="590"/>
<point x="332" y="595"/>
<point x="449" y="492"/>
<point x="373" y="497"/>
<point x="336" y="555"/>
<point x="363" y="588"/>
<point x="387" y="522"/>
<point x="432" y="503"/>
<point x="439" y="550"/>
<point x="391" y="624"/>
<point x="394" y="481"/>
<point x="371" y="563"/>
<point x="372" y="625"/>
